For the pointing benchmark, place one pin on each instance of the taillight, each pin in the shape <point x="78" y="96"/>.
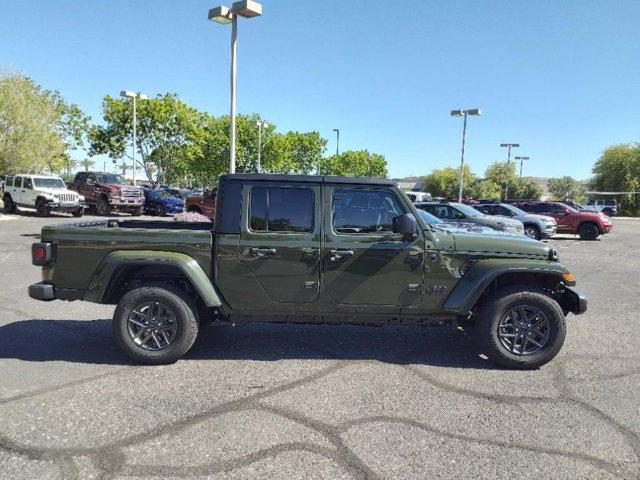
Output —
<point x="41" y="254"/>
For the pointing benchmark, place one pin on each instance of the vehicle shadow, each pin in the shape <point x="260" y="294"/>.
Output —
<point x="92" y="342"/>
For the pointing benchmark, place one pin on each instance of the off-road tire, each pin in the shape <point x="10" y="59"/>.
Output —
<point x="532" y="231"/>
<point x="497" y="305"/>
<point x="588" y="231"/>
<point x="184" y="309"/>
<point x="102" y="207"/>
<point x="78" y="213"/>
<point x="9" y="205"/>
<point x="42" y="210"/>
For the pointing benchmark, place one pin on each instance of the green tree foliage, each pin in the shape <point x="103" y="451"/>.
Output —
<point x="618" y="170"/>
<point x="164" y="125"/>
<point x="521" y="188"/>
<point x="37" y="127"/>
<point x="354" y="163"/>
<point x="444" y="182"/>
<point x="567" y="187"/>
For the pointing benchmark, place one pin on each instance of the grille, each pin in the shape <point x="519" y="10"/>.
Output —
<point x="67" y="197"/>
<point x="130" y="193"/>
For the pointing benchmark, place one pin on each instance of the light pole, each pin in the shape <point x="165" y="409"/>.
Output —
<point x="464" y="113"/>
<point x="260" y="124"/>
<point x="224" y="15"/>
<point x="509" y="146"/>
<point x="337" y="130"/>
<point x="522" y="159"/>
<point x="133" y="96"/>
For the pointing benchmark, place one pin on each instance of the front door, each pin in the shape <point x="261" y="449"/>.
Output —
<point x="280" y="242"/>
<point x="365" y="263"/>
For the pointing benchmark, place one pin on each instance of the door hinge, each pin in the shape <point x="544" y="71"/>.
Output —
<point x="310" y="285"/>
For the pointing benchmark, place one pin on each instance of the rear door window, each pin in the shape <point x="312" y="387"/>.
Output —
<point x="281" y="209"/>
<point x="18" y="182"/>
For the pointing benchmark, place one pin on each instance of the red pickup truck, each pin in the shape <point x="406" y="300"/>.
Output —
<point x="589" y="225"/>
<point x="203" y="203"/>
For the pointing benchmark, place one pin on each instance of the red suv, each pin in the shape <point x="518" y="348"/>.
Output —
<point x="203" y="203"/>
<point x="589" y="225"/>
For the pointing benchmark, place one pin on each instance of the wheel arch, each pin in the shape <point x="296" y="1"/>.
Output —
<point x="122" y="271"/>
<point x="195" y="209"/>
<point x="482" y="279"/>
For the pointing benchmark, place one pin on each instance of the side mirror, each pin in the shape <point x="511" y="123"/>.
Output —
<point x="405" y="225"/>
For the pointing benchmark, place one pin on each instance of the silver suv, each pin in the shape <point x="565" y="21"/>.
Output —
<point x="457" y="212"/>
<point x="535" y="226"/>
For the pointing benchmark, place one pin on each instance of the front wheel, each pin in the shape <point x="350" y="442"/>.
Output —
<point x="532" y="231"/>
<point x="155" y="325"/>
<point x="103" y="208"/>
<point x="521" y="327"/>
<point x="159" y="210"/>
<point x="42" y="209"/>
<point x="588" y="231"/>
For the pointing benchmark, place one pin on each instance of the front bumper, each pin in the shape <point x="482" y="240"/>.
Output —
<point x="574" y="300"/>
<point x="126" y="203"/>
<point x="549" y="230"/>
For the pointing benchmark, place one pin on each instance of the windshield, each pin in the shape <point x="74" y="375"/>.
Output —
<point x="163" y="193"/>
<point x="515" y="210"/>
<point x="427" y="217"/>
<point x="467" y="210"/>
<point x="111" y="179"/>
<point x="49" y="183"/>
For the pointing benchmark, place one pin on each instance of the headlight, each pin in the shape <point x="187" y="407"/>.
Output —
<point x="501" y="225"/>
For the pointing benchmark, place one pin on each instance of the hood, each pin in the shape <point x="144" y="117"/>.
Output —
<point x="471" y="228"/>
<point x="55" y="191"/>
<point x="496" y="244"/>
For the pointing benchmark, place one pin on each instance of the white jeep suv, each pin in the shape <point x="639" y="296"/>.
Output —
<point x="44" y="193"/>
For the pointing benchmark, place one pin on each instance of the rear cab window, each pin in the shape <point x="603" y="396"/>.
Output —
<point x="281" y="209"/>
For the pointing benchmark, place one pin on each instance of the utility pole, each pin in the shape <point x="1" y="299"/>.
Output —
<point x="464" y="113"/>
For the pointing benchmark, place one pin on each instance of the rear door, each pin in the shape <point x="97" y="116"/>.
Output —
<point x="280" y="241"/>
<point x="365" y="263"/>
<point x="17" y="194"/>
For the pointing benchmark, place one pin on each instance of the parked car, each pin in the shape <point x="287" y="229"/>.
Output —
<point x="419" y="196"/>
<point x="203" y="202"/>
<point x="460" y="212"/>
<point x="453" y="227"/>
<point x="161" y="201"/>
<point x="608" y="207"/>
<point x="308" y="248"/>
<point x="108" y="192"/>
<point x="535" y="226"/>
<point x="44" y="193"/>
<point x="572" y="204"/>
<point x="589" y="225"/>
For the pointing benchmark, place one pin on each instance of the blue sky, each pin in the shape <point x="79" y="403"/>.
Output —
<point x="560" y="78"/>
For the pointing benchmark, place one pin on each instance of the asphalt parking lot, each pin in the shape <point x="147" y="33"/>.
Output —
<point x="317" y="402"/>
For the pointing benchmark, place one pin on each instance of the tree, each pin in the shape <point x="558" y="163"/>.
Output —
<point x="444" y="182"/>
<point x="37" y="127"/>
<point x="293" y="152"/>
<point x="164" y="126"/>
<point x="521" y="188"/>
<point x="354" y="163"/>
<point x="567" y="187"/>
<point x="87" y="163"/>
<point x="618" y="170"/>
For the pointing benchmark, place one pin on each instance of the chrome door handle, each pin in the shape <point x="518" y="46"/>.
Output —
<point x="340" y="254"/>
<point x="262" y="252"/>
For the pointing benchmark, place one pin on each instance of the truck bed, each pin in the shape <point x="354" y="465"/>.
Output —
<point x="81" y="247"/>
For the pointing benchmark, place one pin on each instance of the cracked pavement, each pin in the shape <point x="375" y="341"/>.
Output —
<point x="318" y="402"/>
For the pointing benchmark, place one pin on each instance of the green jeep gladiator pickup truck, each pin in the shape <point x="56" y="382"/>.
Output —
<point x="322" y="249"/>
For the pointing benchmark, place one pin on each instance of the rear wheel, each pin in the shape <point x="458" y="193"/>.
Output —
<point x="521" y="327"/>
<point x="532" y="231"/>
<point x="194" y="210"/>
<point x="588" y="231"/>
<point x="9" y="205"/>
<point x="42" y="209"/>
<point x="103" y="208"/>
<point x="155" y="325"/>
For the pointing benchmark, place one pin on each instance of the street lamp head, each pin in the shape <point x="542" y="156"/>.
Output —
<point x="521" y="158"/>
<point x="127" y="93"/>
<point x="336" y="129"/>
<point x="220" y="14"/>
<point x="247" y="8"/>
<point x="474" y="111"/>
<point x="143" y="96"/>
<point x="457" y="113"/>
<point x="509" y="144"/>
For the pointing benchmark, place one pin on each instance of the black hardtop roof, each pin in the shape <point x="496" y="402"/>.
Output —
<point x="277" y="177"/>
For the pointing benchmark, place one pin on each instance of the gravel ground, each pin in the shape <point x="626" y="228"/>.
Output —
<point x="319" y="402"/>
